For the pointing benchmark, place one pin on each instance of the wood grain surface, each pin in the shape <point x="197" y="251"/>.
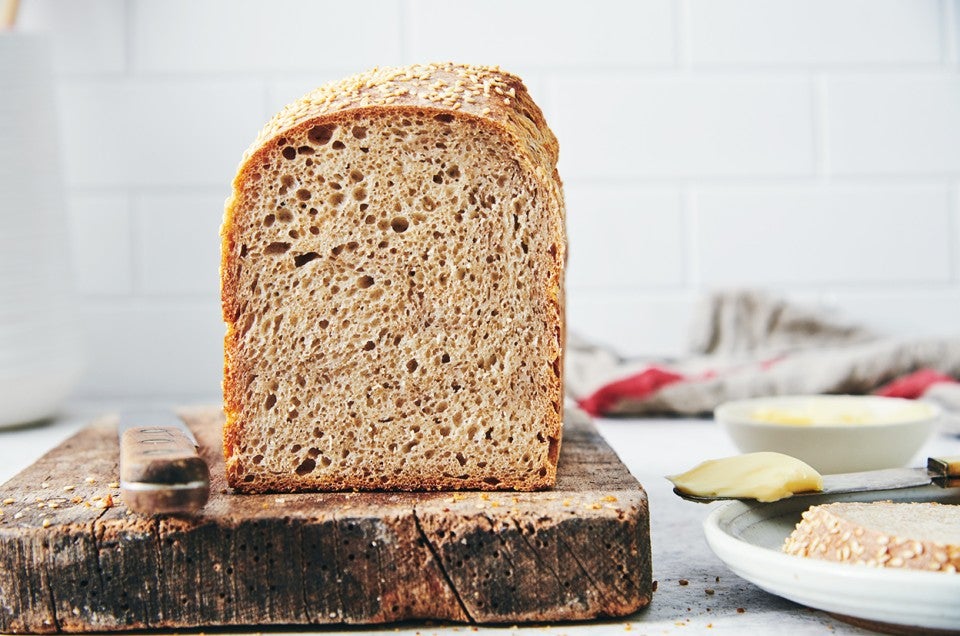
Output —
<point x="73" y="558"/>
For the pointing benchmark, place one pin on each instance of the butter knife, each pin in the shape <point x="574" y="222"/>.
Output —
<point x="160" y="469"/>
<point x="940" y="471"/>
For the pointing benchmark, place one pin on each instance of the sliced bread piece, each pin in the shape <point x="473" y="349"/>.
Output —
<point x="921" y="536"/>
<point x="392" y="283"/>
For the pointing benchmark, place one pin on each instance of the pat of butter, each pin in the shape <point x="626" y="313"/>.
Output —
<point x="840" y="410"/>
<point x="762" y="476"/>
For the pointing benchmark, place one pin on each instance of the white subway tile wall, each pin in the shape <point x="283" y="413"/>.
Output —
<point x="807" y="147"/>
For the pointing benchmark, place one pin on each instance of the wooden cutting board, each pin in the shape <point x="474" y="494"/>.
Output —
<point x="74" y="559"/>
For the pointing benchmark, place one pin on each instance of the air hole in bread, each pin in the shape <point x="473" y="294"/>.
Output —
<point x="364" y="282"/>
<point x="303" y="194"/>
<point x="338" y="145"/>
<point x="276" y="248"/>
<point x="289" y="152"/>
<point x="399" y="224"/>
<point x="306" y="466"/>
<point x="269" y="220"/>
<point x="303" y="259"/>
<point x="444" y="117"/>
<point x="553" y="452"/>
<point x="412" y="366"/>
<point x="359" y="132"/>
<point x="321" y="134"/>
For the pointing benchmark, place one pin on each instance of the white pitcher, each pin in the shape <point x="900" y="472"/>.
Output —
<point x="39" y="343"/>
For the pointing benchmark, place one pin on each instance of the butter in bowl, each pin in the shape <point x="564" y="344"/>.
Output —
<point x="832" y="433"/>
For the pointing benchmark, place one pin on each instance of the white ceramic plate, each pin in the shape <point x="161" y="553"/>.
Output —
<point x="747" y="538"/>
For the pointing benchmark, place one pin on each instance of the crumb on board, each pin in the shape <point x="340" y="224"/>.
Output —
<point x="741" y="610"/>
<point x="709" y="591"/>
<point x="655" y="585"/>
<point x="683" y="582"/>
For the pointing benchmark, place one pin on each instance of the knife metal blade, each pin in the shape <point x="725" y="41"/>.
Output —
<point x="160" y="469"/>
<point x="943" y="472"/>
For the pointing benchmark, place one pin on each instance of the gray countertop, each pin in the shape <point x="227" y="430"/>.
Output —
<point x="695" y="593"/>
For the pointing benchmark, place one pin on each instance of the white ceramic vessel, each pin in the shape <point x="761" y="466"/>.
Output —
<point x="844" y="434"/>
<point x="39" y="344"/>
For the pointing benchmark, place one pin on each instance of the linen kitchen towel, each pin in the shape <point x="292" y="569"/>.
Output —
<point x="746" y="344"/>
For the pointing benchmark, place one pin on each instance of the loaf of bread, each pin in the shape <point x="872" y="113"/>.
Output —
<point x="392" y="283"/>
<point x="921" y="536"/>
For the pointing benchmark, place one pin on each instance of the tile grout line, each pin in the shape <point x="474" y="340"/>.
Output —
<point x="953" y="220"/>
<point x="690" y="211"/>
<point x="128" y="28"/>
<point x="681" y="35"/>
<point x="821" y="137"/>
<point x="948" y="35"/>
<point x="403" y="27"/>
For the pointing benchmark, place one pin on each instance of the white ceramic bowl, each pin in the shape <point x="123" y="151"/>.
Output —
<point x="832" y="433"/>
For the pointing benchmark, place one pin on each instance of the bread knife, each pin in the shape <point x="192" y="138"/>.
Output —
<point x="160" y="469"/>
<point x="940" y="471"/>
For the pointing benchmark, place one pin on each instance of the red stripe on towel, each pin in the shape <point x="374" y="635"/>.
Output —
<point x="635" y="387"/>
<point x="913" y="385"/>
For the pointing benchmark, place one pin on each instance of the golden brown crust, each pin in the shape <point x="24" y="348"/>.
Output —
<point x="485" y="92"/>
<point x="483" y="96"/>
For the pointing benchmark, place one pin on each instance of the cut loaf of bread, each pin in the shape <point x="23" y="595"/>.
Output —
<point x="392" y="282"/>
<point x="921" y="536"/>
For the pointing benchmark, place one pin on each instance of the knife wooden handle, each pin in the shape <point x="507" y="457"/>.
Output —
<point x="946" y="470"/>
<point x="948" y="466"/>
<point x="160" y="471"/>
